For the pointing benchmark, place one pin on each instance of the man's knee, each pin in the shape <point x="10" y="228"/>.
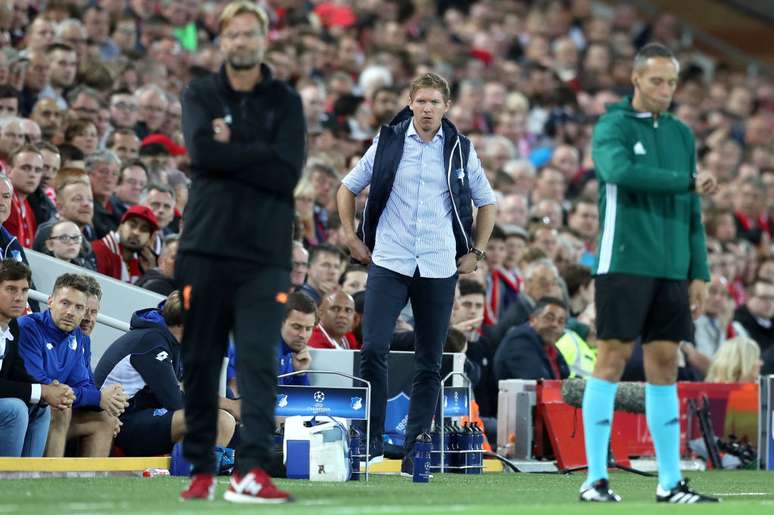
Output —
<point x="611" y="359"/>
<point x="226" y="424"/>
<point x="60" y="419"/>
<point x="14" y="413"/>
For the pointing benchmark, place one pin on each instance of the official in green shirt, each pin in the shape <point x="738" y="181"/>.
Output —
<point x="650" y="270"/>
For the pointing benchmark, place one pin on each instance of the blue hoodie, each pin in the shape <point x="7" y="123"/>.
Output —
<point x="284" y="365"/>
<point x="50" y="353"/>
<point x="146" y="363"/>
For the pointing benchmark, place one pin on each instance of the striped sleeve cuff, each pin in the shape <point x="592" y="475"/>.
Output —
<point x="35" y="393"/>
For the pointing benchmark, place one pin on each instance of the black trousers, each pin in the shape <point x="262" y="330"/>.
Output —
<point x="432" y="301"/>
<point x="222" y="296"/>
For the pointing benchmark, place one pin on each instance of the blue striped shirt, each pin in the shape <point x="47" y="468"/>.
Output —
<point x="415" y="229"/>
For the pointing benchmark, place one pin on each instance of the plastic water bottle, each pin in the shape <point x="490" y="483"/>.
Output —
<point x="354" y="453"/>
<point x="422" y="449"/>
<point x="155" y="472"/>
<point x="179" y="466"/>
<point x="476" y="458"/>
<point x="435" y="456"/>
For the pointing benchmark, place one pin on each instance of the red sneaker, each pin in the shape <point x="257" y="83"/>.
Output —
<point x="202" y="487"/>
<point x="254" y="488"/>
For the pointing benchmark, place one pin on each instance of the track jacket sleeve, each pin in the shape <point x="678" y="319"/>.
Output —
<point x="614" y="163"/>
<point x="158" y="372"/>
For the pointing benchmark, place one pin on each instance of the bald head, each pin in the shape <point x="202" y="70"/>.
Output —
<point x="337" y="314"/>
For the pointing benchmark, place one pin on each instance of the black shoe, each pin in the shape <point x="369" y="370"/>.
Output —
<point x="375" y="451"/>
<point x="599" y="491"/>
<point x="682" y="494"/>
<point x="407" y="467"/>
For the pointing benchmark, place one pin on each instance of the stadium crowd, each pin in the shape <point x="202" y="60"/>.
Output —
<point x="94" y="172"/>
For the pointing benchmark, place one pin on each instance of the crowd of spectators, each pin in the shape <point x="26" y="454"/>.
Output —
<point x="94" y="167"/>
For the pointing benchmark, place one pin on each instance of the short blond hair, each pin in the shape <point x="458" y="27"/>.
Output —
<point x="234" y="9"/>
<point x="430" y="80"/>
<point x="735" y="361"/>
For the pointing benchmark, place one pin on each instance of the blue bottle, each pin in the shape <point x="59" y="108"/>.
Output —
<point x="476" y="456"/>
<point x="422" y="449"/>
<point x="435" y="457"/>
<point x="179" y="466"/>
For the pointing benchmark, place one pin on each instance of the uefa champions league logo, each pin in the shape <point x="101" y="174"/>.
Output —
<point x="319" y="397"/>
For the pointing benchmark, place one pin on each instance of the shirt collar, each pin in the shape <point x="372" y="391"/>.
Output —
<point x="412" y="131"/>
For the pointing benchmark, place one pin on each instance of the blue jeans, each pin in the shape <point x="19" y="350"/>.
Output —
<point x="23" y="428"/>
<point x="432" y="301"/>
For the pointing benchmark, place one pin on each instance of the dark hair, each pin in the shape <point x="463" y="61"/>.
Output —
<point x="74" y="281"/>
<point x="122" y="91"/>
<point x="60" y="45"/>
<point x="129" y="163"/>
<point x="351" y="268"/>
<point x="76" y="127"/>
<point x="48" y="147"/>
<point x="575" y="276"/>
<point x="111" y="139"/>
<point x="497" y="233"/>
<point x="359" y="298"/>
<point x="12" y="270"/>
<point x="172" y="309"/>
<point x="455" y="341"/>
<point x="581" y="200"/>
<point x="384" y="89"/>
<point x="301" y="302"/>
<point x="325" y="248"/>
<point x="8" y="91"/>
<point x="83" y="89"/>
<point x="649" y="51"/>
<point x="95" y="290"/>
<point x="70" y="152"/>
<point x="471" y="287"/>
<point x="544" y="302"/>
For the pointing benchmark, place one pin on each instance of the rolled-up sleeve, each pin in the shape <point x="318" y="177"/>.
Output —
<point x="360" y="176"/>
<point x="480" y="190"/>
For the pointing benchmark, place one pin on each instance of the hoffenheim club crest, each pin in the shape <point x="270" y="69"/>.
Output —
<point x="357" y="403"/>
<point x="282" y="400"/>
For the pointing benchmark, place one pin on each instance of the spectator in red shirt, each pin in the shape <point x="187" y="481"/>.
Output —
<point x="26" y="170"/>
<point x="125" y="254"/>
<point x="337" y="318"/>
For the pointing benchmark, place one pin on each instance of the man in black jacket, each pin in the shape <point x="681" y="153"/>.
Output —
<point x="24" y="414"/>
<point x="756" y="316"/>
<point x="529" y="351"/>
<point x="246" y="137"/>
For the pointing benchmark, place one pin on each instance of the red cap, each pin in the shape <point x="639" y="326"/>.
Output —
<point x="143" y="212"/>
<point x="162" y="139"/>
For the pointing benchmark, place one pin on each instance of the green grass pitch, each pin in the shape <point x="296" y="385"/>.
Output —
<point x="743" y="492"/>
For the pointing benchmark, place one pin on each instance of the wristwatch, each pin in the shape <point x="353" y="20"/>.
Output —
<point x="480" y="254"/>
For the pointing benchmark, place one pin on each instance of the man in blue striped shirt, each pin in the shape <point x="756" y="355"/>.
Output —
<point x="417" y="234"/>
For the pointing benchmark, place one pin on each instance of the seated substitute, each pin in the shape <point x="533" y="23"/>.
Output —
<point x="146" y="364"/>
<point x="529" y="351"/>
<point x="24" y="403"/>
<point x="53" y="347"/>
<point x="292" y="352"/>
